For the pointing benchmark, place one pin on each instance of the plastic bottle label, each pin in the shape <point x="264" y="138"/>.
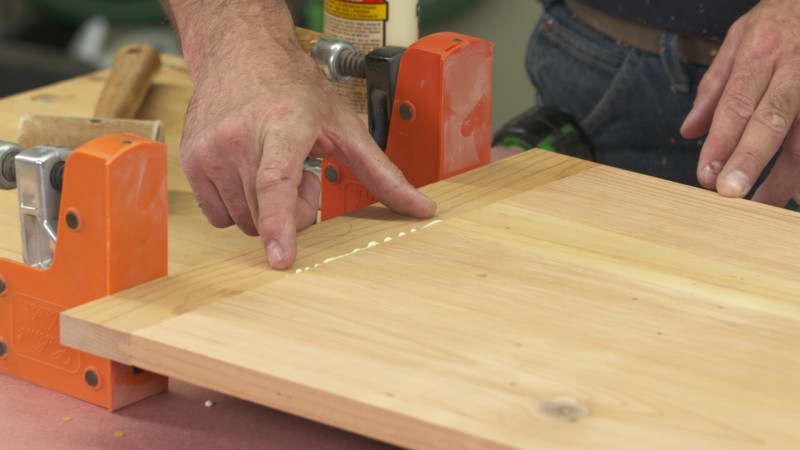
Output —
<point x="365" y="24"/>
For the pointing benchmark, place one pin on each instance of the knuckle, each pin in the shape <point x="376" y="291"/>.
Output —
<point x="772" y="119"/>
<point x="233" y="135"/>
<point x="767" y="39"/>
<point x="780" y="97"/>
<point x="239" y="211"/>
<point x="750" y="159"/>
<point x="738" y="105"/>
<point x="706" y="85"/>
<point x="272" y="175"/>
<point x="738" y="27"/>
<point x="273" y="225"/>
<point x="197" y="166"/>
<point x="714" y="80"/>
<point x="198" y="159"/>
<point x="217" y="219"/>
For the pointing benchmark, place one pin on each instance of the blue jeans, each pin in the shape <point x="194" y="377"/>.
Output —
<point x="630" y="103"/>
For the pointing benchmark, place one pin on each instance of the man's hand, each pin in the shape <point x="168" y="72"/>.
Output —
<point x="748" y="102"/>
<point x="260" y="107"/>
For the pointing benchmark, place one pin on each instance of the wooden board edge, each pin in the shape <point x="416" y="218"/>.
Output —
<point x="288" y="396"/>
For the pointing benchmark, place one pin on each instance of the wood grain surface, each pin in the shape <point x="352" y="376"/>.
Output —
<point x="192" y="240"/>
<point x="590" y="308"/>
<point x="182" y="292"/>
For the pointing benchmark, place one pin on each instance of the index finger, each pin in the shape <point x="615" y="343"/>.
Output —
<point x="276" y="189"/>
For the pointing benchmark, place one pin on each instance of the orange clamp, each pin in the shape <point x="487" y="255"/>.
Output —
<point x="112" y="235"/>
<point x="440" y="122"/>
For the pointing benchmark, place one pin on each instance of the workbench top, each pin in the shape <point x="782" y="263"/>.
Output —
<point x="551" y="303"/>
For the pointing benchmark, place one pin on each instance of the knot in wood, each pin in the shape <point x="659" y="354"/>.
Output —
<point x="563" y="408"/>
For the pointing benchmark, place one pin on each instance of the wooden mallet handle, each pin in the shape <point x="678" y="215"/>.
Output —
<point x="128" y="82"/>
<point x="307" y="38"/>
<point x="133" y="70"/>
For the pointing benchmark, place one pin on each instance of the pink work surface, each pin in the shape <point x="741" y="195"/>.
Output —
<point x="37" y="418"/>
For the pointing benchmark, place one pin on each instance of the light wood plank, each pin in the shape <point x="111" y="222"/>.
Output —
<point x="116" y="316"/>
<point x="603" y="308"/>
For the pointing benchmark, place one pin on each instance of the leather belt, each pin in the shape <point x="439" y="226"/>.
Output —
<point x="691" y="49"/>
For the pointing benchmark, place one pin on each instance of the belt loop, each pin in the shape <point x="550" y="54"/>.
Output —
<point x="672" y="63"/>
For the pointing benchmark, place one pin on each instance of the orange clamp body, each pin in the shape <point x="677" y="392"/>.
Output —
<point x="440" y="122"/>
<point x="112" y="235"/>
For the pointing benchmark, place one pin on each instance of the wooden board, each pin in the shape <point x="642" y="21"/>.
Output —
<point x="190" y="235"/>
<point x="151" y="303"/>
<point x="596" y="308"/>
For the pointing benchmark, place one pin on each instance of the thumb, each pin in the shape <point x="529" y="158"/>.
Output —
<point x="386" y="182"/>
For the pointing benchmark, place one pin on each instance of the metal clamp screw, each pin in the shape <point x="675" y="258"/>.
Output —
<point x="337" y="59"/>
<point x="8" y="172"/>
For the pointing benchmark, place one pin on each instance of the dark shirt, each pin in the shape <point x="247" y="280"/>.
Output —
<point x="709" y="18"/>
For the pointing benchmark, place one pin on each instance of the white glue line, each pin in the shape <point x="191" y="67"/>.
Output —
<point x="370" y="244"/>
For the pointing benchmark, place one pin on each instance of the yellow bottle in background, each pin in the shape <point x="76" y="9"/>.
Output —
<point x="369" y="24"/>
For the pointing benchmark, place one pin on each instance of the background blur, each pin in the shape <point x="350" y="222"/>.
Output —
<point x="44" y="41"/>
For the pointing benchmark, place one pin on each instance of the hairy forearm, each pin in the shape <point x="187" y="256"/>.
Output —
<point x="213" y="34"/>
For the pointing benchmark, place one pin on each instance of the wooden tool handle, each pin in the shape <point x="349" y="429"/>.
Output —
<point x="307" y="38"/>
<point x="133" y="70"/>
<point x="127" y="85"/>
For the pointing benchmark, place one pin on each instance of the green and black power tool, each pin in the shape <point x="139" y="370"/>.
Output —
<point x="546" y="128"/>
